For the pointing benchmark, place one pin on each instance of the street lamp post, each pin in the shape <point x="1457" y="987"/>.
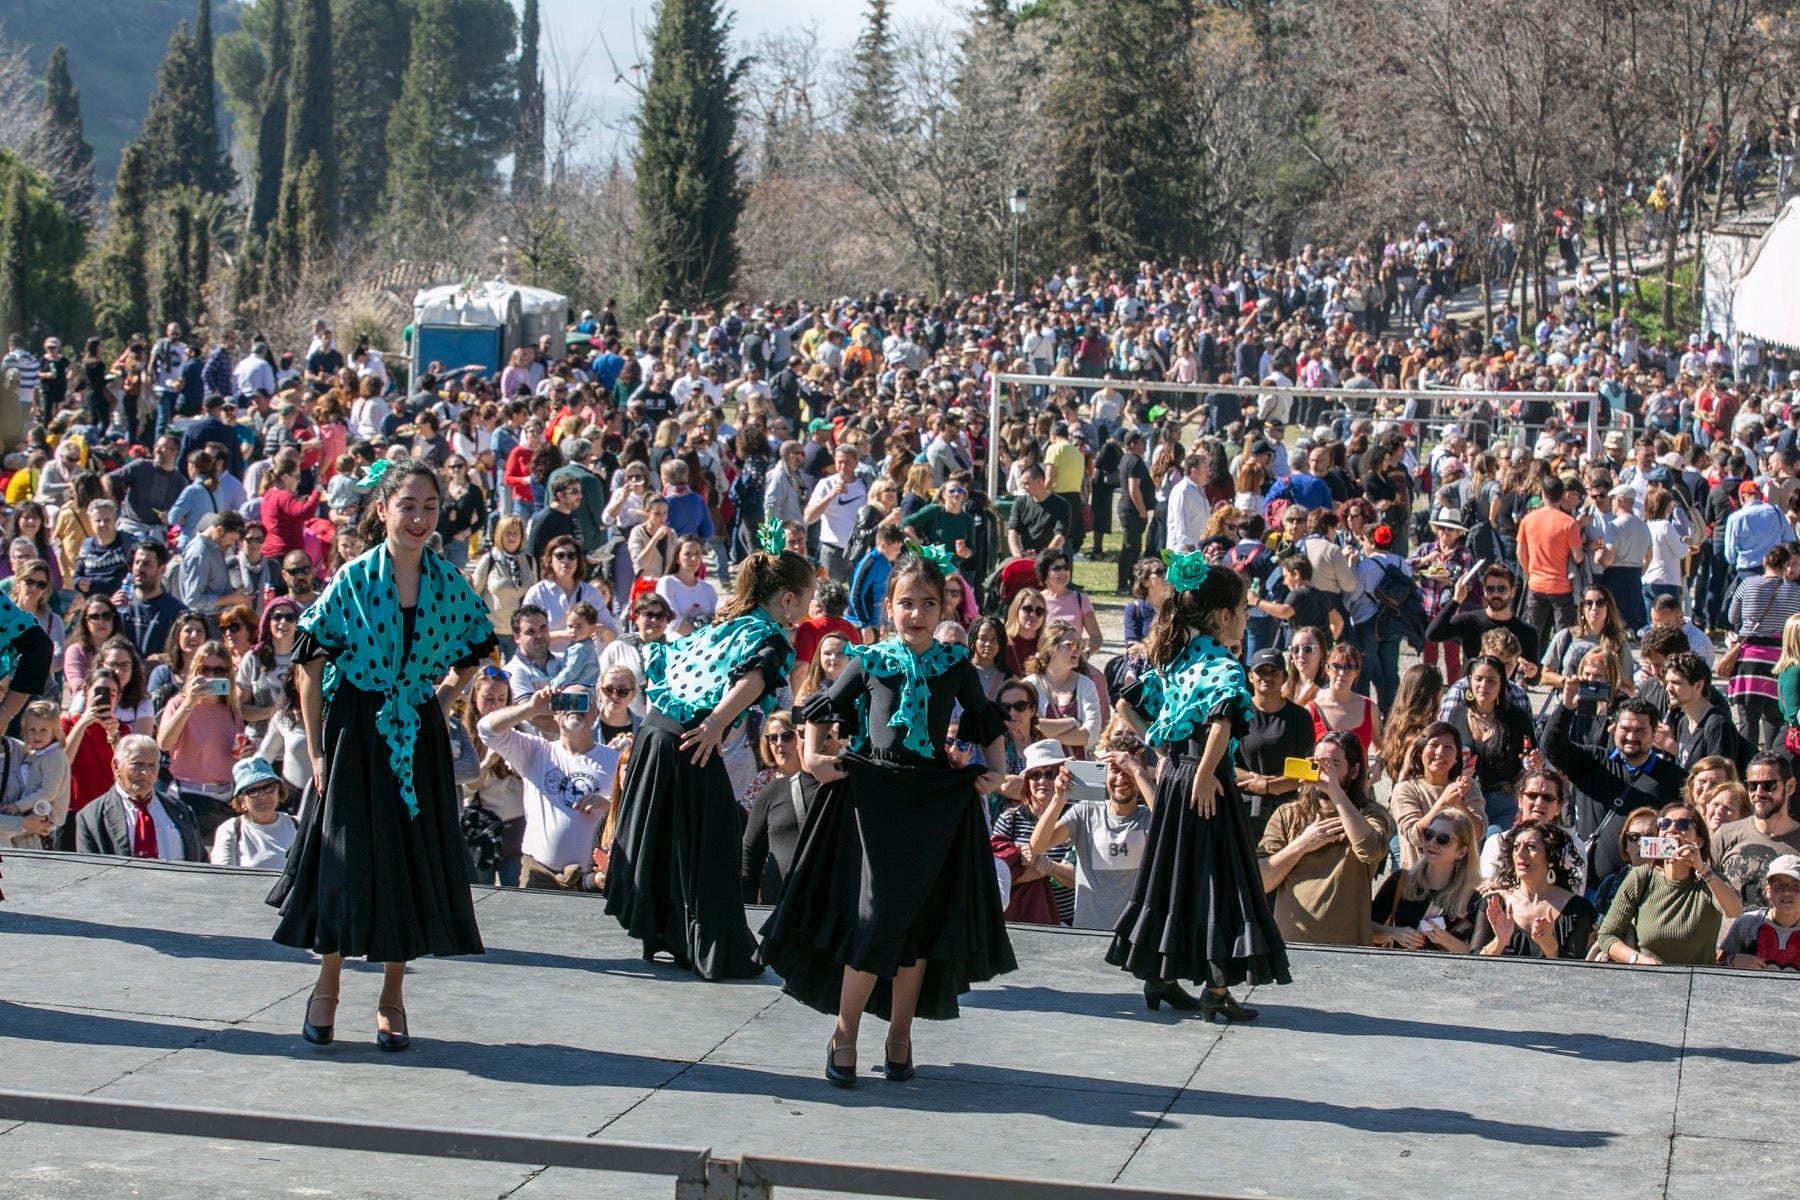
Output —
<point x="1016" y="202"/>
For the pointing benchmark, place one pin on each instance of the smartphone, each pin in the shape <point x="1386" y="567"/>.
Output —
<point x="1304" y="769"/>
<point x="1592" y="692"/>
<point x="574" y="702"/>
<point x="216" y="687"/>
<point x="1472" y="574"/>
<point x="1659" y="849"/>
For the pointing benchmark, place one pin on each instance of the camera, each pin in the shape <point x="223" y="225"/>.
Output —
<point x="216" y="687"/>
<point x="1592" y="692"/>
<point x="570" y="702"/>
<point x="1304" y="769"/>
<point x="1659" y="849"/>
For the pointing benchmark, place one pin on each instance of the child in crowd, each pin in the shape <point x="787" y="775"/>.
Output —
<point x="342" y="497"/>
<point x="581" y="662"/>
<point x="46" y="769"/>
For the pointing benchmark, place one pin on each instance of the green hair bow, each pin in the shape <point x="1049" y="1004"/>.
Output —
<point x="940" y="555"/>
<point x="1185" y="572"/>
<point x="375" y="472"/>
<point x="771" y="536"/>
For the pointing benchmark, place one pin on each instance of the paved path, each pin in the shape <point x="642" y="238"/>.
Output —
<point x="1376" y="1075"/>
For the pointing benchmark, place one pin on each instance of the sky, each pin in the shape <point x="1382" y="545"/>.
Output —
<point x="571" y="25"/>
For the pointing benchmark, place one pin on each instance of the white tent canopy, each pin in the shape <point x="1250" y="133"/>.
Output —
<point x="1767" y="301"/>
<point x="489" y="303"/>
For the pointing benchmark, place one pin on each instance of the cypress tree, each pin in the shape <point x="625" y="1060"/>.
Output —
<point x="15" y="251"/>
<point x="167" y="143"/>
<point x="528" y="147"/>
<point x="369" y="56"/>
<point x="175" y="273"/>
<point x="62" y="116"/>
<point x="212" y="167"/>
<point x="689" y="196"/>
<point x="309" y="128"/>
<point x="122" y="301"/>
<point x="271" y="128"/>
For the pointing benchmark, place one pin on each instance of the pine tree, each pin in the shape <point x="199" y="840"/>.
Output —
<point x="309" y="128"/>
<point x="271" y="126"/>
<point x="1122" y="144"/>
<point x="122" y="300"/>
<point x="15" y="252"/>
<point x="213" y="165"/>
<point x="369" y="56"/>
<point x="688" y="192"/>
<point x="62" y="118"/>
<point x="528" y="148"/>
<point x="457" y="112"/>
<point x="873" y="100"/>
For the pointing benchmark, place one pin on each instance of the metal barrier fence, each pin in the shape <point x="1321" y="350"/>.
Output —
<point x="698" y="1174"/>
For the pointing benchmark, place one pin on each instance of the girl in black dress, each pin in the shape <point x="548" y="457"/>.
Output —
<point x="672" y="879"/>
<point x="377" y="869"/>
<point x="1198" y="911"/>
<point x="892" y="903"/>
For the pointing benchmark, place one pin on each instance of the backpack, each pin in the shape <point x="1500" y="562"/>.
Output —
<point x="1399" y="605"/>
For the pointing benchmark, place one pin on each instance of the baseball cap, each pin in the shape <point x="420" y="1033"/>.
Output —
<point x="1784" y="864"/>
<point x="1268" y="656"/>
<point x="1749" y="488"/>
<point x="817" y="424"/>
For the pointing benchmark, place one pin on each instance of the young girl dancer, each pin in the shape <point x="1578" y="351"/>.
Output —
<point x="892" y="904"/>
<point x="672" y="879"/>
<point x="1198" y="911"/>
<point x="377" y="869"/>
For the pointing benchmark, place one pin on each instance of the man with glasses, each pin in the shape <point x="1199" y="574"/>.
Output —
<point x="1612" y="780"/>
<point x="1466" y="628"/>
<point x="149" y="611"/>
<point x="556" y="519"/>
<point x="1746" y="850"/>
<point x="131" y="819"/>
<point x="590" y="507"/>
<point x="568" y="785"/>
<point x="205" y="580"/>
<point x="1763" y="938"/>
<point x="300" y="576"/>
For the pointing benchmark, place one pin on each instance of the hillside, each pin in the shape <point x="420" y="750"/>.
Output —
<point x="114" y="49"/>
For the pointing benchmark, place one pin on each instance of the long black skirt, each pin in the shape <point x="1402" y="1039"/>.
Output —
<point x="365" y="878"/>
<point x="672" y="880"/>
<point x="1198" y="911"/>
<point x="893" y="869"/>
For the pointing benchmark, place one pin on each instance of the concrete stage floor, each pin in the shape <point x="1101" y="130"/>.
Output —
<point x="1375" y="1075"/>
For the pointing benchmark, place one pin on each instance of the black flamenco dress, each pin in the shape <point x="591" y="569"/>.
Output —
<point x="894" y="865"/>
<point x="672" y="878"/>
<point x="1198" y="912"/>
<point x="365" y="878"/>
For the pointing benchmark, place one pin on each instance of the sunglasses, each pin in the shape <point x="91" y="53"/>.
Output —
<point x="1542" y="797"/>
<point x="234" y="627"/>
<point x="1059" y="566"/>
<point x="1493" y="590"/>
<point x="1303" y="650"/>
<point x="956" y="491"/>
<point x="286" y="615"/>
<point x="34" y="584"/>
<point x="656" y="614"/>
<point x="1437" y="839"/>
<point x="262" y="789"/>
<point x="215" y="672"/>
<point x="1019" y="706"/>
<point x="1033" y="609"/>
<point x="1678" y="824"/>
<point x="1339" y="666"/>
<point x="780" y="739"/>
<point x="1594" y="603"/>
<point x="565" y="556"/>
<point x="296" y="572"/>
<point x="1043" y="774"/>
<point x="493" y="672"/>
<point x="617" y="692"/>
<point x="1763" y="785"/>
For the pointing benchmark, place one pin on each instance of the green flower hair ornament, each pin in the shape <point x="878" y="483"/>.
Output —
<point x="946" y="562"/>
<point x="771" y="536"/>
<point x="1185" y="572"/>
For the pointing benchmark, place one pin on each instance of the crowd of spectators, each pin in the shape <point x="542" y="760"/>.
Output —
<point x="1517" y="688"/>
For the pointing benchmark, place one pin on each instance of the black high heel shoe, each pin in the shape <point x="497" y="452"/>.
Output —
<point x="1221" y="1009"/>
<point x="318" y="1035"/>
<point x="835" y="1075"/>
<point x="393" y="1039"/>
<point x="897" y="1072"/>
<point x="1156" y="994"/>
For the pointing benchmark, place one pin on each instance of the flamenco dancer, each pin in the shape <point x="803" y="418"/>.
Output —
<point x="891" y="904"/>
<point x="673" y="878"/>
<point x="377" y="868"/>
<point x="1198" y="911"/>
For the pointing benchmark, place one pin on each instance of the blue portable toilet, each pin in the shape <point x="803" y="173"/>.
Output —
<point x="477" y="326"/>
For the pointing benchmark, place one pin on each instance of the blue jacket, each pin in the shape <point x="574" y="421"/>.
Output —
<point x="868" y="588"/>
<point x="1308" y="491"/>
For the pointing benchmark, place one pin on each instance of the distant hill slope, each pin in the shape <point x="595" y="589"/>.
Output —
<point x="115" y="47"/>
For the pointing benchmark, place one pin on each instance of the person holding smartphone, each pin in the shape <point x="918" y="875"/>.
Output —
<point x="1670" y="910"/>
<point x="199" y="730"/>
<point x="568" y="783"/>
